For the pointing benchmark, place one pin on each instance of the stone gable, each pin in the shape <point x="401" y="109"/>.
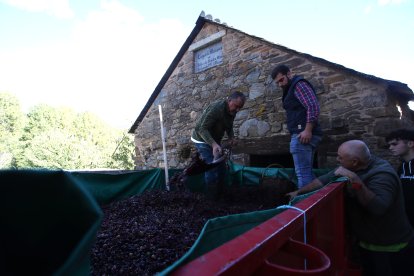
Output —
<point x="353" y="105"/>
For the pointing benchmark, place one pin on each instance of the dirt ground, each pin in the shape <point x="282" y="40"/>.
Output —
<point x="147" y="233"/>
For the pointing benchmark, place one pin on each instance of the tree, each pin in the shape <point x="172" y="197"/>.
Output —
<point x="43" y="118"/>
<point x="40" y="121"/>
<point x="11" y="125"/>
<point x="59" y="138"/>
<point x="59" y="149"/>
<point x="122" y="158"/>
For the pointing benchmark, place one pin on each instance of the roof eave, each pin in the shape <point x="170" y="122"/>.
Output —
<point x="395" y="86"/>
<point x="198" y="26"/>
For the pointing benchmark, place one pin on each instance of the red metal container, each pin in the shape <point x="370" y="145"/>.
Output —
<point x="285" y="245"/>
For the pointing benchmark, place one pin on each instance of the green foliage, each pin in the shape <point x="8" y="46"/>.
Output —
<point x="59" y="138"/>
<point x="58" y="148"/>
<point x="122" y="158"/>
<point x="11" y="116"/>
<point x="43" y="118"/>
<point x="11" y="126"/>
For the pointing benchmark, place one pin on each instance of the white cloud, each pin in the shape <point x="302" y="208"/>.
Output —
<point x="390" y="2"/>
<point x="57" y="8"/>
<point x="368" y="9"/>
<point x="382" y="3"/>
<point x="110" y="65"/>
<point x="119" y="58"/>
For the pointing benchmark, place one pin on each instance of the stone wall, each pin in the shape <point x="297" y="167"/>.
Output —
<point x="352" y="106"/>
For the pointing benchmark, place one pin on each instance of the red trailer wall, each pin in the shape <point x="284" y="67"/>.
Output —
<point x="277" y="245"/>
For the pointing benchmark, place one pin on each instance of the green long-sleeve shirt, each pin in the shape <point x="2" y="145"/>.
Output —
<point x="213" y="123"/>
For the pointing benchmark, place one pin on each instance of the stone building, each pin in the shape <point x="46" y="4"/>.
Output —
<point x="217" y="59"/>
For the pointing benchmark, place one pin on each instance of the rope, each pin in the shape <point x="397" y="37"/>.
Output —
<point x="304" y="222"/>
<point x="268" y="167"/>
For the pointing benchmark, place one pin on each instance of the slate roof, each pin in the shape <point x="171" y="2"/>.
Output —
<point x="397" y="87"/>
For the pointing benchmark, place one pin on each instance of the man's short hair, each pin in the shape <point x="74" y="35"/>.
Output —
<point x="401" y="134"/>
<point x="282" y="69"/>
<point x="236" y="95"/>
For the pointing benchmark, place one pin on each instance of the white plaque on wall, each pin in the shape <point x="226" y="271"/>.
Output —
<point x="208" y="57"/>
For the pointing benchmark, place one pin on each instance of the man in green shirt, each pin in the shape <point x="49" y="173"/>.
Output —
<point x="216" y="120"/>
<point x="375" y="209"/>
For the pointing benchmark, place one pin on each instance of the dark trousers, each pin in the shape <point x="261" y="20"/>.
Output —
<point x="214" y="179"/>
<point x="388" y="263"/>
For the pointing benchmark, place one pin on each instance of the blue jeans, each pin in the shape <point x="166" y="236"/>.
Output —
<point x="215" y="175"/>
<point x="303" y="158"/>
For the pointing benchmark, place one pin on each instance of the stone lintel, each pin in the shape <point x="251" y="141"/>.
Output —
<point x="206" y="41"/>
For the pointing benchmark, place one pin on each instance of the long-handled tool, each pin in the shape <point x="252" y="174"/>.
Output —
<point x="197" y="166"/>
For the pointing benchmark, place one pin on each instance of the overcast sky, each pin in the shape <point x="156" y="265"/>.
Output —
<point x="108" y="56"/>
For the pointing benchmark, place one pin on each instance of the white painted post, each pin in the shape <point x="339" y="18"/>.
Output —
<point x="164" y="149"/>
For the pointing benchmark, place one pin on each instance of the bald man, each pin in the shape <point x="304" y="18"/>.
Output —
<point x="375" y="208"/>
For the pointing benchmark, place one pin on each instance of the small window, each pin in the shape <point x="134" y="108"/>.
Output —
<point x="208" y="57"/>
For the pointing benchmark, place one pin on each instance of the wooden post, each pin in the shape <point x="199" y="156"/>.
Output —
<point x="164" y="149"/>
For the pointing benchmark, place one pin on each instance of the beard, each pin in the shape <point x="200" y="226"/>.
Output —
<point x="286" y="87"/>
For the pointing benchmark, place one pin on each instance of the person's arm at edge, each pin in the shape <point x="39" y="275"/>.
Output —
<point x="363" y="194"/>
<point x="307" y="98"/>
<point x="208" y="121"/>
<point x="356" y="186"/>
<point x="314" y="185"/>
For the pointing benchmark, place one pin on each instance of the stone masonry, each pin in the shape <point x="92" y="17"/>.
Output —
<point x="353" y="105"/>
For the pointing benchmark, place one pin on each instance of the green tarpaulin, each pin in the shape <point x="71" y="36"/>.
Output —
<point x="220" y="230"/>
<point x="48" y="223"/>
<point x="50" y="218"/>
